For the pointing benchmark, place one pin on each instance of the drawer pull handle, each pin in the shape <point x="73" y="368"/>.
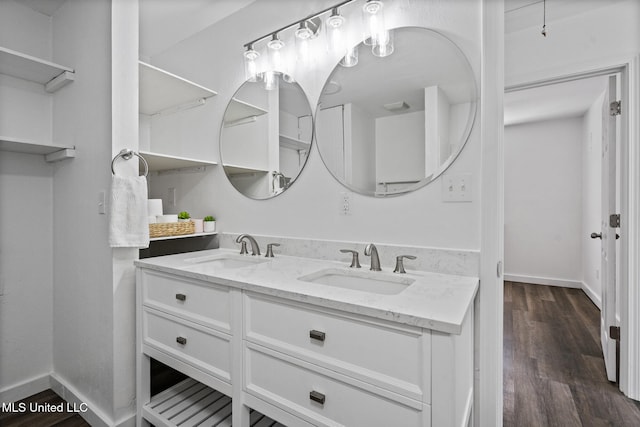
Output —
<point x="181" y="340"/>
<point x="317" y="335"/>
<point x="317" y="397"/>
<point x="181" y="297"/>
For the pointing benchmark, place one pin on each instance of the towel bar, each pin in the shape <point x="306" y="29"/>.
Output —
<point x="127" y="154"/>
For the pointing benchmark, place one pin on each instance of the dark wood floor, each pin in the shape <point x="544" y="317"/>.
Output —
<point x="554" y="372"/>
<point x="553" y="367"/>
<point x="42" y="419"/>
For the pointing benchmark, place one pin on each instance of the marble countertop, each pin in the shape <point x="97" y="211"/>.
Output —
<point x="434" y="301"/>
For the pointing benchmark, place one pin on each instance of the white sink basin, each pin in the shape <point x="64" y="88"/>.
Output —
<point x="366" y="281"/>
<point x="209" y="264"/>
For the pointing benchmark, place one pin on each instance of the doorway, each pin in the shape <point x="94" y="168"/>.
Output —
<point x="556" y="178"/>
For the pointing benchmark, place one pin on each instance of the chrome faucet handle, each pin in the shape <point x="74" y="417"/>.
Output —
<point x="243" y="248"/>
<point x="355" y="261"/>
<point x="400" y="264"/>
<point x="270" y="246"/>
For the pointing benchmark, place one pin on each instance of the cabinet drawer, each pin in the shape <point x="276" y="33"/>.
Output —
<point x="390" y="356"/>
<point x="323" y="400"/>
<point x="197" y="301"/>
<point x="191" y="343"/>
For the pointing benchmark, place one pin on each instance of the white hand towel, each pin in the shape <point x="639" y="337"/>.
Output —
<point x="129" y="222"/>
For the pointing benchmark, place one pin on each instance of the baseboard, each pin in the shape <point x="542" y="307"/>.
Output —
<point x="94" y="416"/>
<point x="595" y="298"/>
<point x="25" y="389"/>
<point x="548" y="281"/>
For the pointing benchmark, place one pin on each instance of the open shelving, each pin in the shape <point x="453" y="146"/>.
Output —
<point x="190" y="403"/>
<point x="52" y="77"/>
<point x="161" y="93"/>
<point x="293" y="143"/>
<point x="239" y="112"/>
<point x="49" y="74"/>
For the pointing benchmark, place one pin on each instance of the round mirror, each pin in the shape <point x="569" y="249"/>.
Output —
<point x="392" y="124"/>
<point x="266" y="137"/>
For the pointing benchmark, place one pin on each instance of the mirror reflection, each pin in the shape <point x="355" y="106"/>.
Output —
<point x="265" y="137"/>
<point x="387" y="126"/>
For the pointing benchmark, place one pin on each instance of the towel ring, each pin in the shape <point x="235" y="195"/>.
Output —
<point x="126" y="154"/>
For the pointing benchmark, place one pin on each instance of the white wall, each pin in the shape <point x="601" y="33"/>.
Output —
<point x="400" y="147"/>
<point x="591" y="199"/>
<point x="543" y="202"/>
<point x="26" y="270"/>
<point x="419" y="218"/>
<point x="83" y="333"/>
<point x="576" y="43"/>
<point x="26" y="215"/>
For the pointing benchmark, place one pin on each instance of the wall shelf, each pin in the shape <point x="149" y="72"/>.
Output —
<point x="184" y="236"/>
<point x="239" y="112"/>
<point x="51" y="75"/>
<point x="51" y="152"/>
<point x="162" y="91"/>
<point x="162" y="162"/>
<point x="242" y="170"/>
<point x="159" y="162"/>
<point x="293" y="143"/>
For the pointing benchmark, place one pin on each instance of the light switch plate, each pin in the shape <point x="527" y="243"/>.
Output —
<point x="457" y="188"/>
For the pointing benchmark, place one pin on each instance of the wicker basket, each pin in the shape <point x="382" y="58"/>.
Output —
<point x="171" y="229"/>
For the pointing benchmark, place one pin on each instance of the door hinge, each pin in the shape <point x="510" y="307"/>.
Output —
<point x="614" y="220"/>
<point x="615" y="108"/>
<point x="614" y="332"/>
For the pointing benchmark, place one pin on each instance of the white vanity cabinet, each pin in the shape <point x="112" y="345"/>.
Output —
<point x="185" y="324"/>
<point x="299" y="363"/>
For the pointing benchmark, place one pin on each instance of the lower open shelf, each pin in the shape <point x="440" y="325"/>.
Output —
<point x="190" y="403"/>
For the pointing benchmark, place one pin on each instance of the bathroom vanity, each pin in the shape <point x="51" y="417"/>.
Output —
<point x="305" y="342"/>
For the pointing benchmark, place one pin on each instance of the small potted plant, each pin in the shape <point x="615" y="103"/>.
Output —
<point x="209" y="224"/>
<point x="184" y="217"/>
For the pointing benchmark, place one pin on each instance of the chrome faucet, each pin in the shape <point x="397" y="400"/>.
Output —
<point x="255" y="249"/>
<point x="372" y="251"/>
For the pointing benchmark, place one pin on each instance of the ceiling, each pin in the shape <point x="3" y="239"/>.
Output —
<point x="164" y="23"/>
<point x="569" y="99"/>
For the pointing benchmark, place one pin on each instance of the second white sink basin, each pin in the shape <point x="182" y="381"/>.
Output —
<point x="366" y="281"/>
<point x="209" y="264"/>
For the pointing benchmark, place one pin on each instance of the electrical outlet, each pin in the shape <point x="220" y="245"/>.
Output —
<point x="457" y="188"/>
<point x="345" y="203"/>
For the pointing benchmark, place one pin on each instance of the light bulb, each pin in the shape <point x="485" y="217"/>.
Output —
<point x="351" y="58"/>
<point x="270" y="80"/>
<point x="383" y="45"/>
<point x="335" y="22"/>
<point x="303" y="32"/>
<point x="275" y="43"/>
<point x="250" y="67"/>
<point x="373" y="15"/>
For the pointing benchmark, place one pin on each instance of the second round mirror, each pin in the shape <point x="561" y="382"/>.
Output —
<point x="390" y="125"/>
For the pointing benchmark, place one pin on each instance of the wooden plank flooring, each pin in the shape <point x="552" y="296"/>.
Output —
<point x="42" y="419"/>
<point x="553" y="367"/>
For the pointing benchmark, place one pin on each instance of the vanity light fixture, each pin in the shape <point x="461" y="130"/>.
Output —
<point x="303" y="31"/>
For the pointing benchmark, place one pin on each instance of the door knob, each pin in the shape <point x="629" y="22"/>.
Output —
<point x="596" y="235"/>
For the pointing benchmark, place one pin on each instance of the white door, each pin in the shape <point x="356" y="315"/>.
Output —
<point x="608" y="267"/>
